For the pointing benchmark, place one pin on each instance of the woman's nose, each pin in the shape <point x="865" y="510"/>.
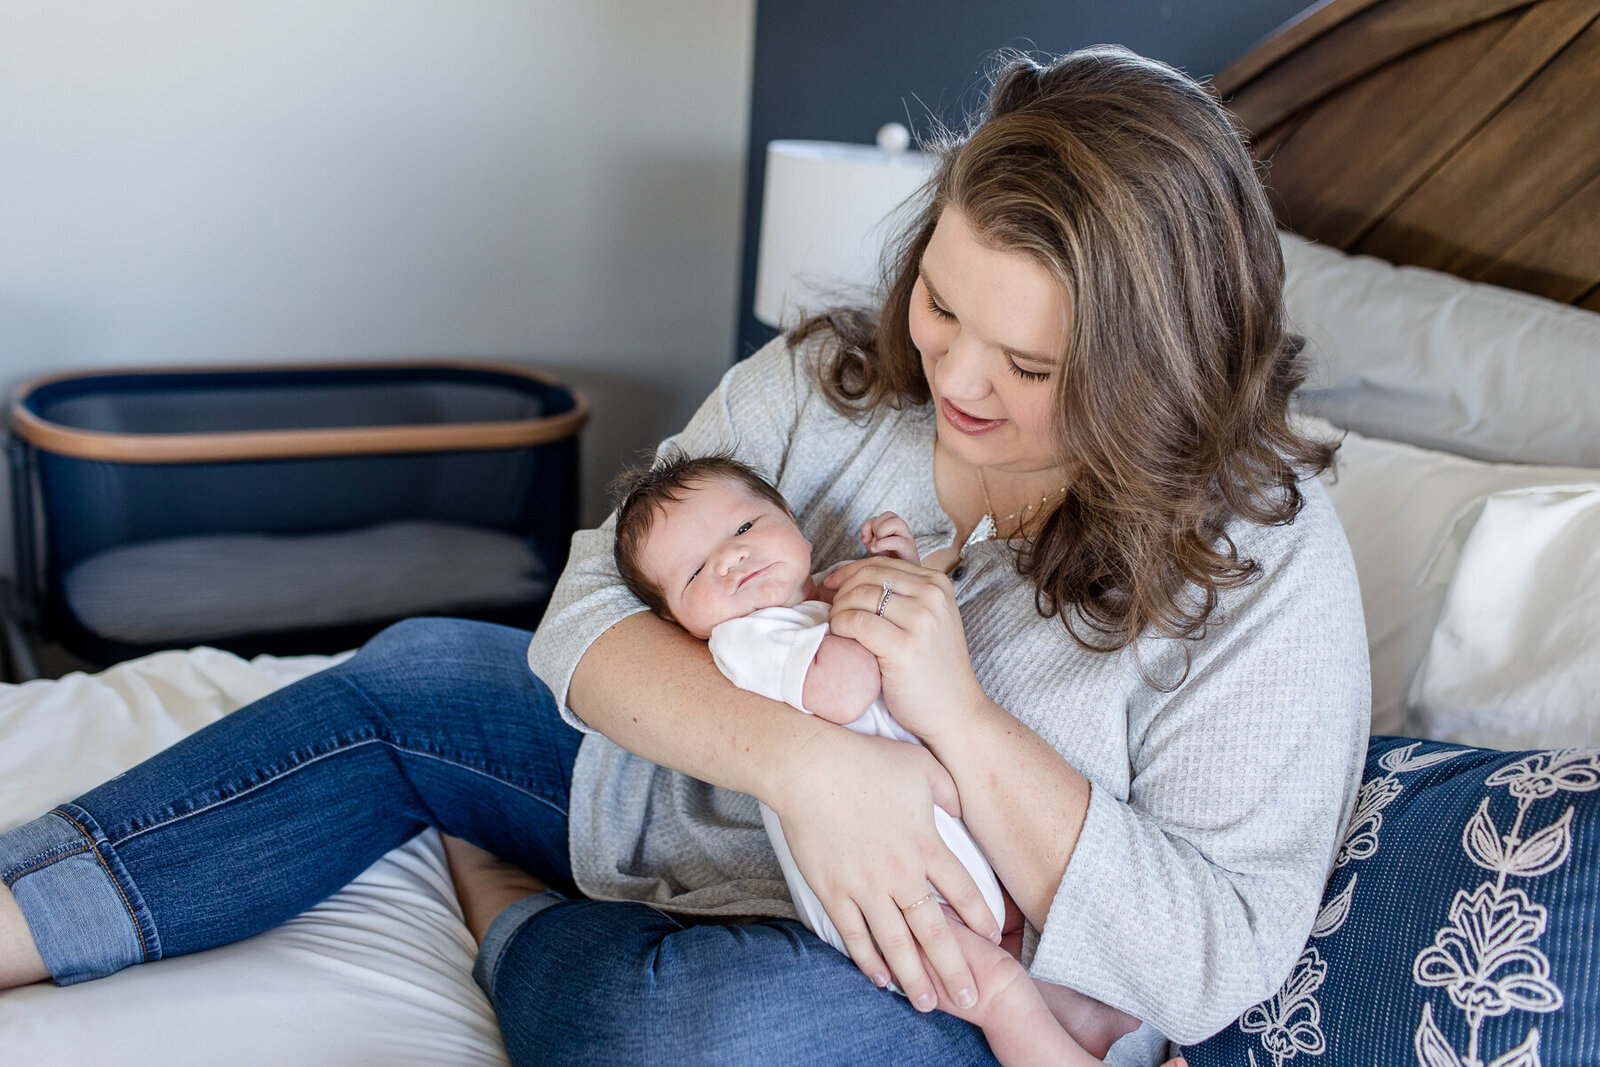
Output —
<point x="963" y="372"/>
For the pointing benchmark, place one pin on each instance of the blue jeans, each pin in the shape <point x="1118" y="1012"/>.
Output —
<point x="438" y="722"/>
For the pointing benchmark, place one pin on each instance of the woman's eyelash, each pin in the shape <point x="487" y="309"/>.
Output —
<point x="1027" y="375"/>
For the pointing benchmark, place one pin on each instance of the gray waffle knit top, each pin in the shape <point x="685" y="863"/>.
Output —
<point x="1215" y="808"/>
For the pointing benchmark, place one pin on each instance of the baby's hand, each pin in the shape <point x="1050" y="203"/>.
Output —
<point x="888" y="535"/>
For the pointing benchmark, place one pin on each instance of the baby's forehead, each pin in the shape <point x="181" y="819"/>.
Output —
<point x="713" y="491"/>
<point x="698" y="493"/>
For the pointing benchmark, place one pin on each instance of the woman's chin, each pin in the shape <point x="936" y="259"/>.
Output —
<point x="990" y="451"/>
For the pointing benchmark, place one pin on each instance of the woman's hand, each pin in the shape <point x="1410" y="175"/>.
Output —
<point x="858" y="816"/>
<point x="922" y="650"/>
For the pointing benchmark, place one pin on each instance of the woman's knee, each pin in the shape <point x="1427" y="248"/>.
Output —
<point x="432" y="662"/>
<point x="435" y="636"/>
<point x="607" y="983"/>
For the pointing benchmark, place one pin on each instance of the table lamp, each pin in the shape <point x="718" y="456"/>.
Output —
<point x="827" y="210"/>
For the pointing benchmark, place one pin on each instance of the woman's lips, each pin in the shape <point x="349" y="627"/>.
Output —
<point x="967" y="424"/>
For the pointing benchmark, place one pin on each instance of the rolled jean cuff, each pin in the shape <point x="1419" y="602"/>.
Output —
<point x="503" y="931"/>
<point x="87" y="918"/>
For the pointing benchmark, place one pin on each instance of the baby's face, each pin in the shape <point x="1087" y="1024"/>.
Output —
<point x="722" y="552"/>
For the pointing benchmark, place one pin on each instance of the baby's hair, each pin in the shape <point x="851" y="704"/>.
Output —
<point x="642" y="492"/>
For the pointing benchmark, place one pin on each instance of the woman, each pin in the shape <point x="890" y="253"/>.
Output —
<point x="1145" y="690"/>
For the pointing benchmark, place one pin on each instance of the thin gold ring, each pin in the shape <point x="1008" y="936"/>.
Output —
<point x="919" y="902"/>
<point x="883" y="604"/>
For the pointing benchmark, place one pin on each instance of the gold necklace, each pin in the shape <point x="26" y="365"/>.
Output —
<point x="988" y="526"/>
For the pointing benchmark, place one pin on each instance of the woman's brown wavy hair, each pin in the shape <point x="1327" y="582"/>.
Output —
<point x="1128" y="182"/>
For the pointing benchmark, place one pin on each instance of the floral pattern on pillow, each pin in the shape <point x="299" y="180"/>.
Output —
<point x="1457" y="929"/>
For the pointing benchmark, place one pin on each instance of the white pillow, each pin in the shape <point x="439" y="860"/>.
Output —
<point x="1515" y="660"/>
<point x="1414" y="355"/>
<point x="1400" y="507"/>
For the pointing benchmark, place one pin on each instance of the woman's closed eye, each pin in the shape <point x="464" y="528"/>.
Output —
<point x="938" y="310"/>
<point x="1027" y="375"/>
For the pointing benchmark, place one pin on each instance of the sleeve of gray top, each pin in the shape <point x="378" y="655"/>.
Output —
<point x="752" y="412"/>
<point x="1194" y="897"/>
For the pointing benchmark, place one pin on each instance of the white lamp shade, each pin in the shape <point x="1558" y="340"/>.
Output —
<point x="827" y="210"/>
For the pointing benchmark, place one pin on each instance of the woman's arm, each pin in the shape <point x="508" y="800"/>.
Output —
<point x="1029" y="855"/>
<point x="1185" y="890"/>
<point x="1000" y="767"/>
<point x="651" y="687"/>
<point x="857" y="811"/>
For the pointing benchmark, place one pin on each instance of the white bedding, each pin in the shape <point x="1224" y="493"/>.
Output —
<point x="377" y="974"/>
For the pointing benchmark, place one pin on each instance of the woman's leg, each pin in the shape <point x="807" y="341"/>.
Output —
<point x="586" y="982"/>
<point x="266" y="812"/>
<point x="19" y="957"/>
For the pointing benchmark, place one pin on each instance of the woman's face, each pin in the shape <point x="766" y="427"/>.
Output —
<point x="992" y="327"/>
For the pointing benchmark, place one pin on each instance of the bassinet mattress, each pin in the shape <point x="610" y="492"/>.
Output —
<point x="377" y="974"/>
<point x="173" y="589"/>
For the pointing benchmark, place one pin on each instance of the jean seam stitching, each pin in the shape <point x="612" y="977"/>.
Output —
<point x="144" y="947"/>
<point x="318" y="759"/>
<point x="42" y="864"/>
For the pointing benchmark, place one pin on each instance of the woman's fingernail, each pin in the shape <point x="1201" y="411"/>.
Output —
<point x="880" y="980"/>
<point x="965" y="998"/>
<point x="994" y="938"/>
<point x="925" y="1002"/>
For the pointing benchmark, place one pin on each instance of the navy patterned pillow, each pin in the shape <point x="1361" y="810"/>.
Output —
<point x="1460" y="927"/>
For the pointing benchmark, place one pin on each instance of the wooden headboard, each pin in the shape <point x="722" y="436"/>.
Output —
<point x="1461" y="135"/>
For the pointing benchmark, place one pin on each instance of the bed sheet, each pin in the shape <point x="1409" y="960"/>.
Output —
<point x="379" y="973"/>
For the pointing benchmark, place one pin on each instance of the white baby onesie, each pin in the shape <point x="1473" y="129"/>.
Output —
<point x="768" y="652"/>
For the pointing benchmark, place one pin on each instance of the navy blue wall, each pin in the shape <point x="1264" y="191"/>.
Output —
<point x="836" y="70"/>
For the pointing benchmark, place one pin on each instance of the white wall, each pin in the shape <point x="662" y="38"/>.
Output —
<point x="556" y="182"/>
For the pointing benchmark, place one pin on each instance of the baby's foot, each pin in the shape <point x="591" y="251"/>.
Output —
<point x="1094" y="1023"/>
<point x="1011" y="1011"/>
<point x="485" y="884"/>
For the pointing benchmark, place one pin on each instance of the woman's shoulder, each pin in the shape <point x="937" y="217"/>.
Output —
<point x="1303" y="567"/>
<point x="1314" y="528"/>
<point x="794" y="369"/>
<point x="787" y="360"/>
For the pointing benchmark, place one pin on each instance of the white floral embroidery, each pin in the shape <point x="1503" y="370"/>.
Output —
<point x="1487" y="960"/>
<point x="1375" y="794"/>
<point x="1540" y="854"/>
<point x="1434" y="1051"/>
<point x="1361" y="839"/>
<point x="1400" y="760"/>
<point x="1486" y="957"/>
<point x="1335" y="912"/>
<point x="1541" y="775"/>
<point x="1291" y="1022"/>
